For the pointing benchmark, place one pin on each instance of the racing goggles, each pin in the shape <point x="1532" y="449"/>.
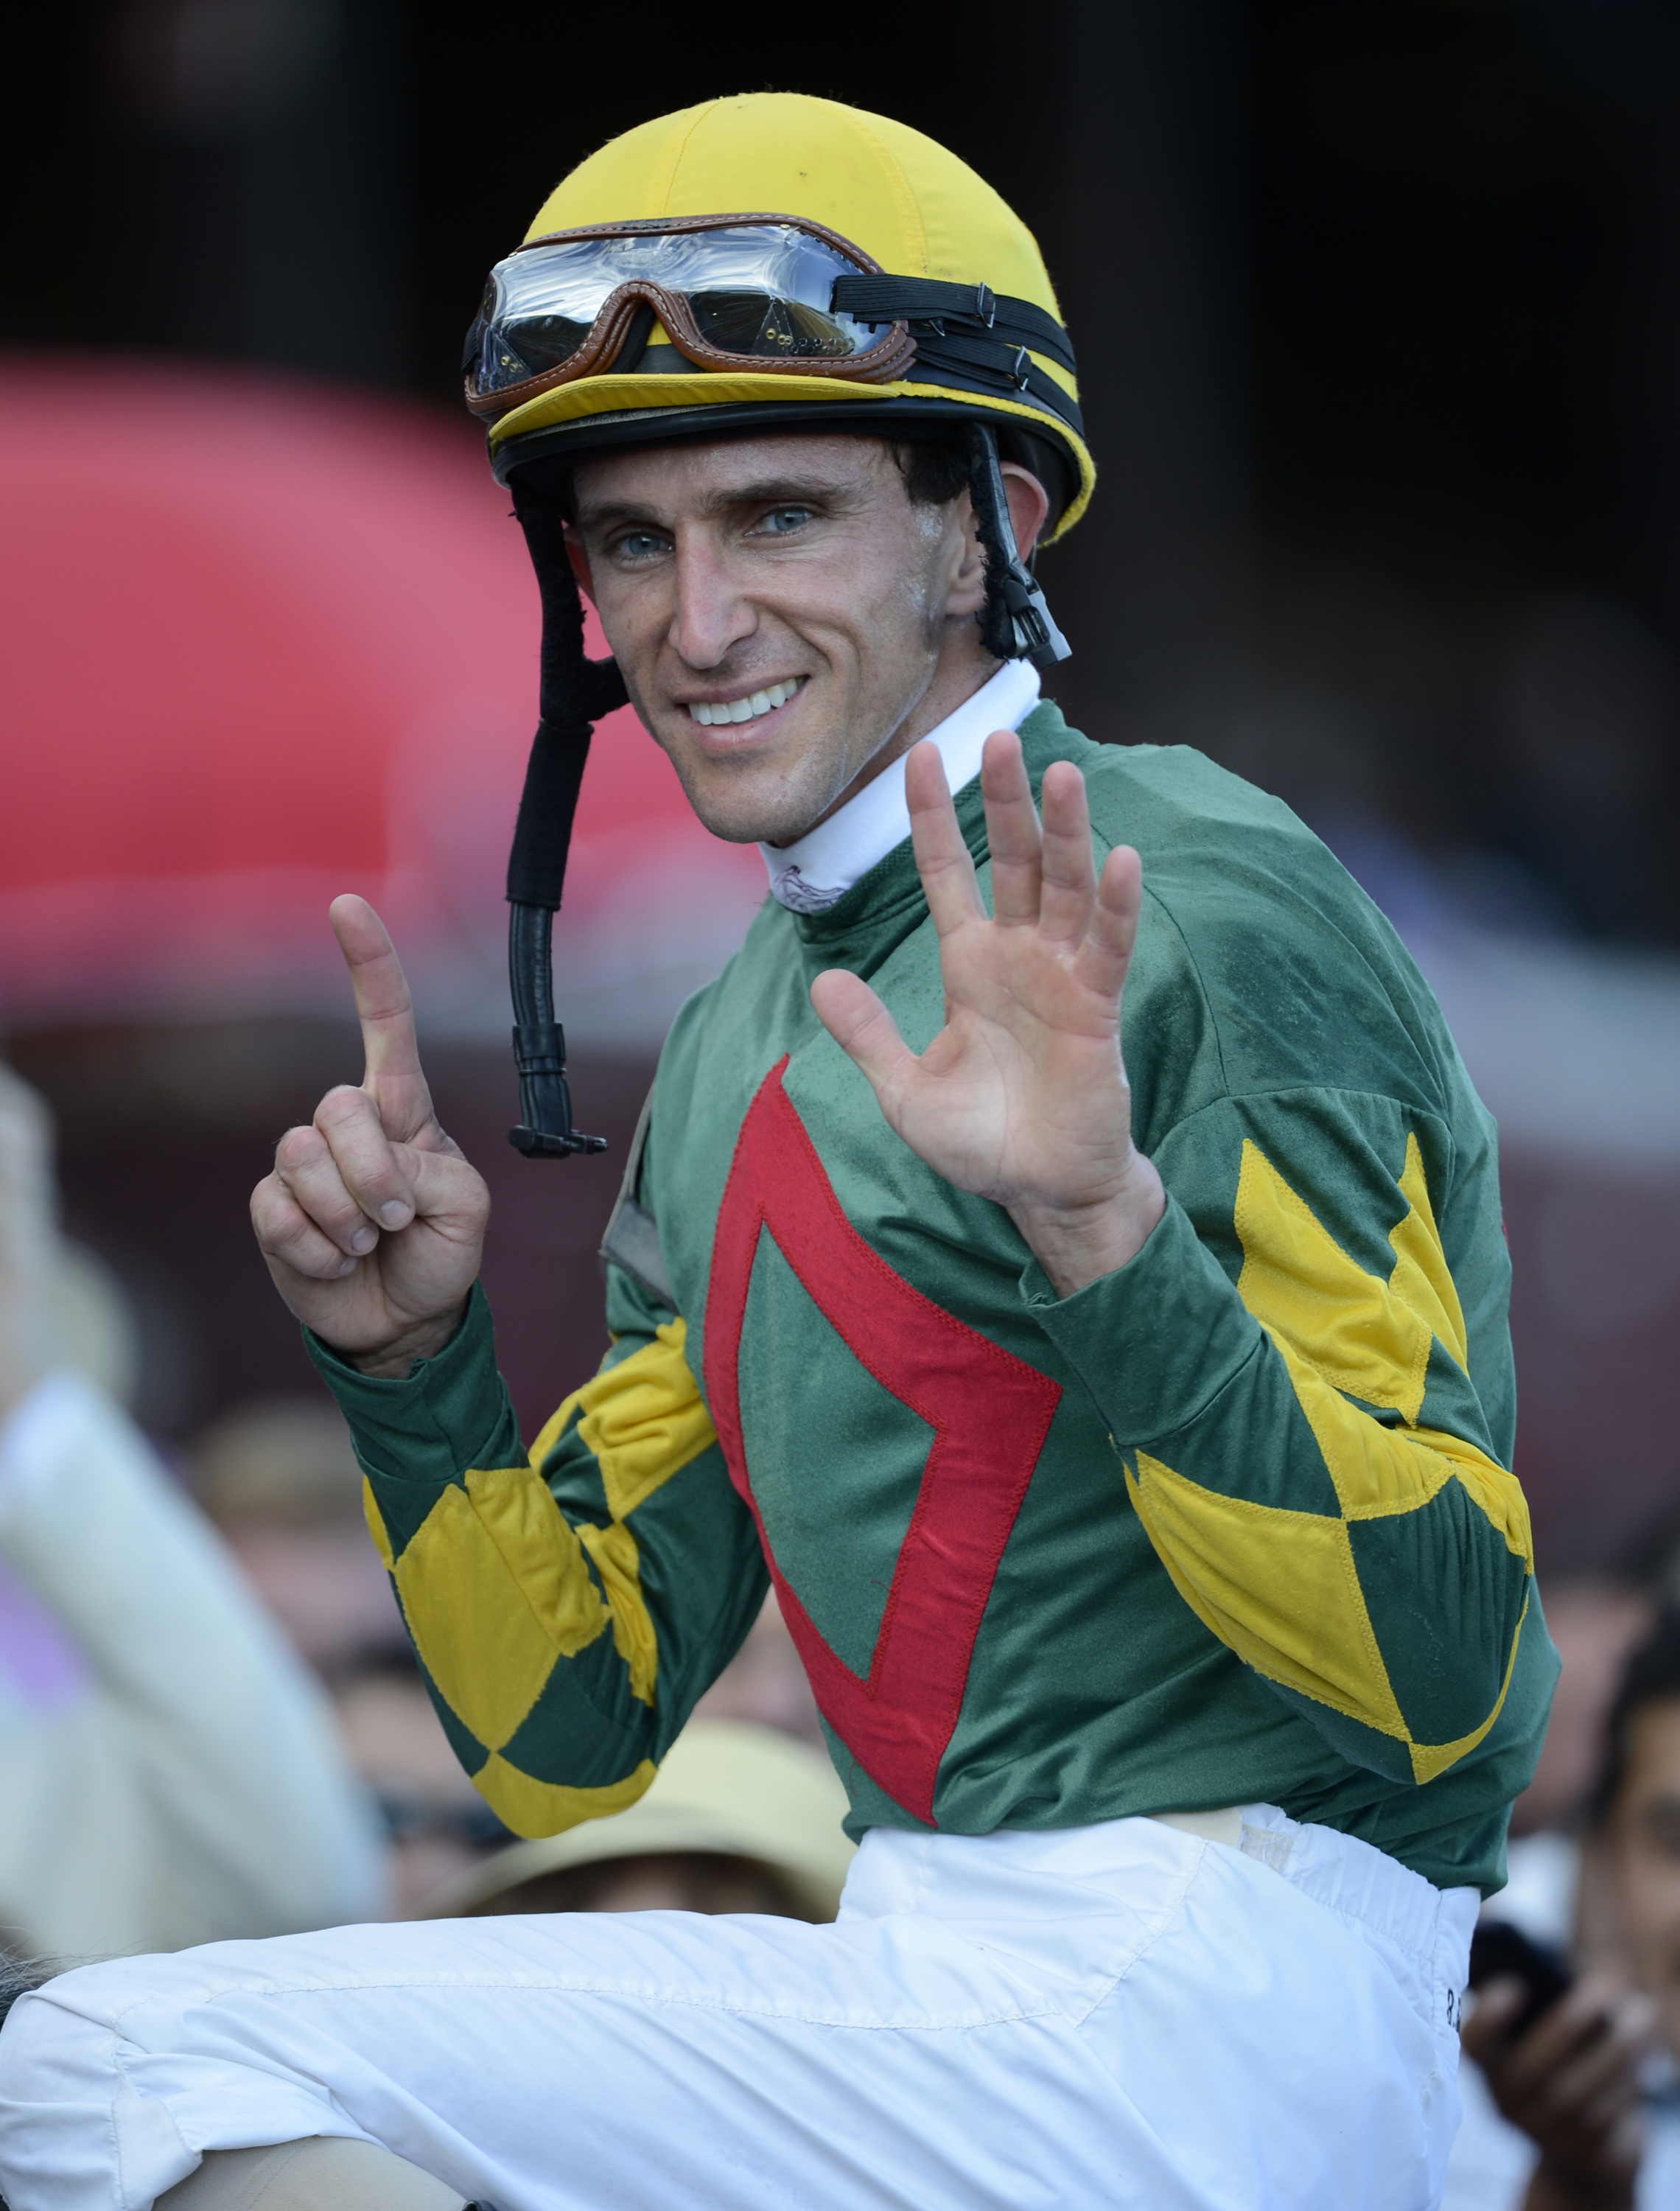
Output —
<point x="740" y="292"/>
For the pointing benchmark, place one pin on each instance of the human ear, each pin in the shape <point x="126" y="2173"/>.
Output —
<point x="575" y="552"/>
<point x="1029" y="504"/>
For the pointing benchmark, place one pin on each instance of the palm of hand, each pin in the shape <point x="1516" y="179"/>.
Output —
<point x="1022" y="1096"/>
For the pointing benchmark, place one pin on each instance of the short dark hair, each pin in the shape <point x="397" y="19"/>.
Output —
<point x="1650" y="1677"/>
<point x="934" y="469"/>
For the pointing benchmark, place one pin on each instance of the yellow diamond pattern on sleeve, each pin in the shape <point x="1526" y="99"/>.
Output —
<point x="531" y="1807"/>
<point x="1421" y="1279"/>
<point x="496" y="1584"/>
<point x="1280" y="1587"/>
<point x="494" y="1588"/>
<point x="644" y="1419"/>
<point x="1339" y="1328"/>
<point x="1302" y="1288"/>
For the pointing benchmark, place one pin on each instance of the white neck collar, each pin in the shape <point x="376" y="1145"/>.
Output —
<point x="820" y="867"/>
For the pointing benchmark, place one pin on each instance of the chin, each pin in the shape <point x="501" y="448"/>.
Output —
<point x="754" y="805"/>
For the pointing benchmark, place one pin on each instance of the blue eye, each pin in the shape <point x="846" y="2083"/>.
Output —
<point x="780" y="519"/>
<point x="639" y="545"/>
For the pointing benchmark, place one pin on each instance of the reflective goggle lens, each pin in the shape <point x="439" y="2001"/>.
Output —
<point x="757" y="288"/>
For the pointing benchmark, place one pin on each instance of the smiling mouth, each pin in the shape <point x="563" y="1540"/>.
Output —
<point x="744" y="710"/>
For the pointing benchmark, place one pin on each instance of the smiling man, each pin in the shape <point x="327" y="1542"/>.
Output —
<point x="1126" y="1435"/>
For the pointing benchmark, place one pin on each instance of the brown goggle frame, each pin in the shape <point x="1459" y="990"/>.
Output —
<point x="880" y="364"/>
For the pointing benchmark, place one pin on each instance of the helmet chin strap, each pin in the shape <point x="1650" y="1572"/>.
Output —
<point x="1016" y="623"/>
<point x="576" y="692"/>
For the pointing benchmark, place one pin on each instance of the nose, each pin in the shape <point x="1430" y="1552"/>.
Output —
<point x="712" y="615"/>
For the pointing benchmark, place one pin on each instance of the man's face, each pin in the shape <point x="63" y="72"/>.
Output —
<point x="1644" y="1856"/>
<point x="778" y="608"/>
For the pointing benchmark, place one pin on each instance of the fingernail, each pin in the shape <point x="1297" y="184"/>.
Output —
<point x="364" y="1240"/>
<point x="394" y="1214"/>
<point x="348" y="1267"/>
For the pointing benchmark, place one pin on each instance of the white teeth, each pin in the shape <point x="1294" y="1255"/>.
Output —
<point x="708" y="713"/>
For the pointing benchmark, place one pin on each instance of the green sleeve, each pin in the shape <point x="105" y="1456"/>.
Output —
<point x="1312" y="1437"/>
<point x="567" y="1606"/>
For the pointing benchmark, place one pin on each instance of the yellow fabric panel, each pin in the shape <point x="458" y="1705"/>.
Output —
<point x="642" y="1421"/>
<point x="1376" y="1470"/>
<point x="376" y="1526"/>
<point x="1422" y="1278"/>
<point x="1276" y="1587"/>
<point x="541" y="1551"/>
<point x="1305" y="1290"/>
<point x="470" y="1607"/>
<point x="1337" y="1328"/>
<point x="905" y="200"/>
<point x="548" y="1807"/>
<point x="619" y="1564"/>
<point x="1429" y="1758"/>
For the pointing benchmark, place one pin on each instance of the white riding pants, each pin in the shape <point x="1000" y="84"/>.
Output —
<point x="1124" y="2015"/>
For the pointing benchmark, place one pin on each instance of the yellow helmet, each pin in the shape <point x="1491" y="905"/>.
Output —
<point x="979" y="332"/>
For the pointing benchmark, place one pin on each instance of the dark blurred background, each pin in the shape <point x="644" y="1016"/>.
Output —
<point x="1378" y="315"/>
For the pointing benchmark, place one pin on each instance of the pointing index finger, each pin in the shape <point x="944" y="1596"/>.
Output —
<point x="394" y="1078"/>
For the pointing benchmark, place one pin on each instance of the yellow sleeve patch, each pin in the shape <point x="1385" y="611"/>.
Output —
<point x="1421" y="1280"/>
<point x="495" y="1588"/>
<point x="496" y="1584"/>
<point x="1339" y="1328"/>
<point x="1299" y="1285"/>
<point x="1279" y="1587"/>
<point x="531" y="1807"/>
<point x="644" y="1420"/>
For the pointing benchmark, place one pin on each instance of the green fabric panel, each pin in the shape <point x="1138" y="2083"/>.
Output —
<point x="413" y="1437"/>
<point x="1407" y="1565"/>
<point x="835" y="1460"/>
<point x="586" y="1730"/>
<point x="463" y="1741"/>
<point x="1360" y="1745"/>
<point x="704" y="1580"/>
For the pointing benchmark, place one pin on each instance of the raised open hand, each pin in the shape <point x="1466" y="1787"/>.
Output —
<point x="372" y="1221"/>
<point x="1022" y="1097"/>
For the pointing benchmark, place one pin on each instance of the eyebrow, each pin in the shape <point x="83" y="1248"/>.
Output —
<point x="771" y="491"/>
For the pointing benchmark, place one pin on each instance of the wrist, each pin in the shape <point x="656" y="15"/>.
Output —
<point x="392" y="1361"/>
<point x="1077" y="1244"/>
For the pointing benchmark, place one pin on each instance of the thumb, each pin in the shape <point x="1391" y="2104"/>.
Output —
<point x="864" y="1029"/>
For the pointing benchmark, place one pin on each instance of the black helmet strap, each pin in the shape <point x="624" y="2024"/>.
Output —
<point x="576" y="692"/>
<point x="1015" y="623"/>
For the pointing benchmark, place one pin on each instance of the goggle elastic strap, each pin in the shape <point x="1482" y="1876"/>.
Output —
<point x="1016" y="622"/>
<point x="576" y="692"/>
